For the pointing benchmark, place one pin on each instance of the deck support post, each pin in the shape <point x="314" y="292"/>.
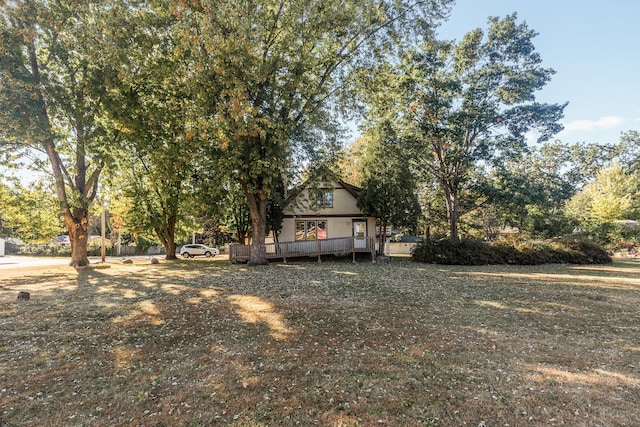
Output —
<point x="353" y="249"/>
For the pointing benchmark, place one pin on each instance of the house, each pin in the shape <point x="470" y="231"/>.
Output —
<point x="321" y="220"/>
<point x="327" y="212"/>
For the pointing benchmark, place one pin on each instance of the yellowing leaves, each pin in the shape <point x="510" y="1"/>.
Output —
<point x="362" y="344"/>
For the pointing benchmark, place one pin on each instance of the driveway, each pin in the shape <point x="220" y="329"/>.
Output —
<point x="12" y="261"/>
<point x="15" y="262"/>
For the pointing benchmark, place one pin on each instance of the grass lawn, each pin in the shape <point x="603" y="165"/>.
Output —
<point x="202" y="342"/>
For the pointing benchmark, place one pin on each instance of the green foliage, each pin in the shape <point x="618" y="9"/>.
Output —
<point x="270" y="74"/>
<point x="543" y="221"/>
<point x="569" y="250"/>
<point x="472" y="101"/>
<point x="235" y="214"/>
<point x="29" y="213"/>
<point x="577" y="250"/>
<point x="529" y="191"/>
<point x="609" y="197"/>
<point x="389" y="187"/>
<point x="143" y="244"/>
<point x="140" y="207"/>
<point x="629" y="153"/>
<point x="612" y="196"/>
<point x="44" y="250"/>
<point x="350" y="162"/>
<point x="94" y="248"/>
<point x="555" y="188"/>
<point x="50" y="99"/>
<point x="447" y="251"/>
<point x="148" y="100"/>
<point x="275" y="208"/>
<point x="214" y="235"/>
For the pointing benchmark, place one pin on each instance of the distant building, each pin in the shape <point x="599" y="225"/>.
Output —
<point x="62" y="241"/>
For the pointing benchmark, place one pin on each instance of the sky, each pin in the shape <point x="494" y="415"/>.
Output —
<point x="593" y="46"/>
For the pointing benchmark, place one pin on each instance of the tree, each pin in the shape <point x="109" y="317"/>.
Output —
<point x="149" y="201"/>
<point x="630" y="150"/>
<point x="529" y="191"/>
<point x="470" y="101"/>
<point x="350" y="163"/>
<point x="150" y="101"/>
<point x="237" y="217"/>
<point x="275" y="210"/>
<point x="49" y="100"/>
<point x="388" y="188"/>
<point x="608" y="198"/>
<point x="270" y="71"/>
<point x="30" y="213"/>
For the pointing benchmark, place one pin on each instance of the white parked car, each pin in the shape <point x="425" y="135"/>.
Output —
<point x="189" y="251"/>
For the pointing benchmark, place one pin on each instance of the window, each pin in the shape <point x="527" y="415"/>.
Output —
<point x="325" y="199"/>
<point x="311" y="230"/>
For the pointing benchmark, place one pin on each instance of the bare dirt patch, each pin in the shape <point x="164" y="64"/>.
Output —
<point x="334" y="344"/>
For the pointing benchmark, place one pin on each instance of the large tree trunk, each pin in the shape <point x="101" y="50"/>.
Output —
<point x="167" y="236"/>
<point x="453" y="212"/>
<point x="258" y="209"/>
<point x="383" y="238"/>
<point x="76" y="218"/>
<point x="257" y="254"/>
<point x="169" y="243"/>
<point x="170" y="248"/>
<point x="77" y="221"/>
<point x="83" y="189"/>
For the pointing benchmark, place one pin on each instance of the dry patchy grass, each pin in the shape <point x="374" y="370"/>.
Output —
<point x="194" y="343"/>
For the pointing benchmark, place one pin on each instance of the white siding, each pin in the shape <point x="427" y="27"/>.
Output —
<point x="343" y="204"/>
<point x="339" y="217"/>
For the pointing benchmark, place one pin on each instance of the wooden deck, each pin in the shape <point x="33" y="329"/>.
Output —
<point x="309" y="248"/>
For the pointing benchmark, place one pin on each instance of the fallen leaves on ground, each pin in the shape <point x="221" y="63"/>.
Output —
<point x="333" y="344"/>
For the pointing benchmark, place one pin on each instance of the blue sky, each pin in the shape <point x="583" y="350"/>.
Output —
<point x="594" y="48"/>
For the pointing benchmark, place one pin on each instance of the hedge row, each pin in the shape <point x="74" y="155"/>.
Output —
<point x="475" y="252"/>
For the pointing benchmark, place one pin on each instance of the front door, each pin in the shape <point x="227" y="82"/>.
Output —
<point x="359" y="232"/>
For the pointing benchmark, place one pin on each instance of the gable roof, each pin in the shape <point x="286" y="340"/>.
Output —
<point x="351" y="189"/>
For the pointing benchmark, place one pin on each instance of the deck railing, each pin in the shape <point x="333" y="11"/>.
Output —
<point x="308" y="248"/>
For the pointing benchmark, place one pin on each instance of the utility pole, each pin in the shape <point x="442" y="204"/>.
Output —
<point x="104" y="231"/>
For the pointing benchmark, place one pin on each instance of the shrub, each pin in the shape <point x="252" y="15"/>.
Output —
<point x="48" y="249"/>
<point x="475" y="252"/>
<point x="447" y="251"/>
<point x="143" y="244"/>
<point x="94" y="247"/>
<point x="580" y="251"/>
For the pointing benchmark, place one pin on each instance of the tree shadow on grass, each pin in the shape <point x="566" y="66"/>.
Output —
<point x="210" y="344"/>
<point x="140" y="335"/>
